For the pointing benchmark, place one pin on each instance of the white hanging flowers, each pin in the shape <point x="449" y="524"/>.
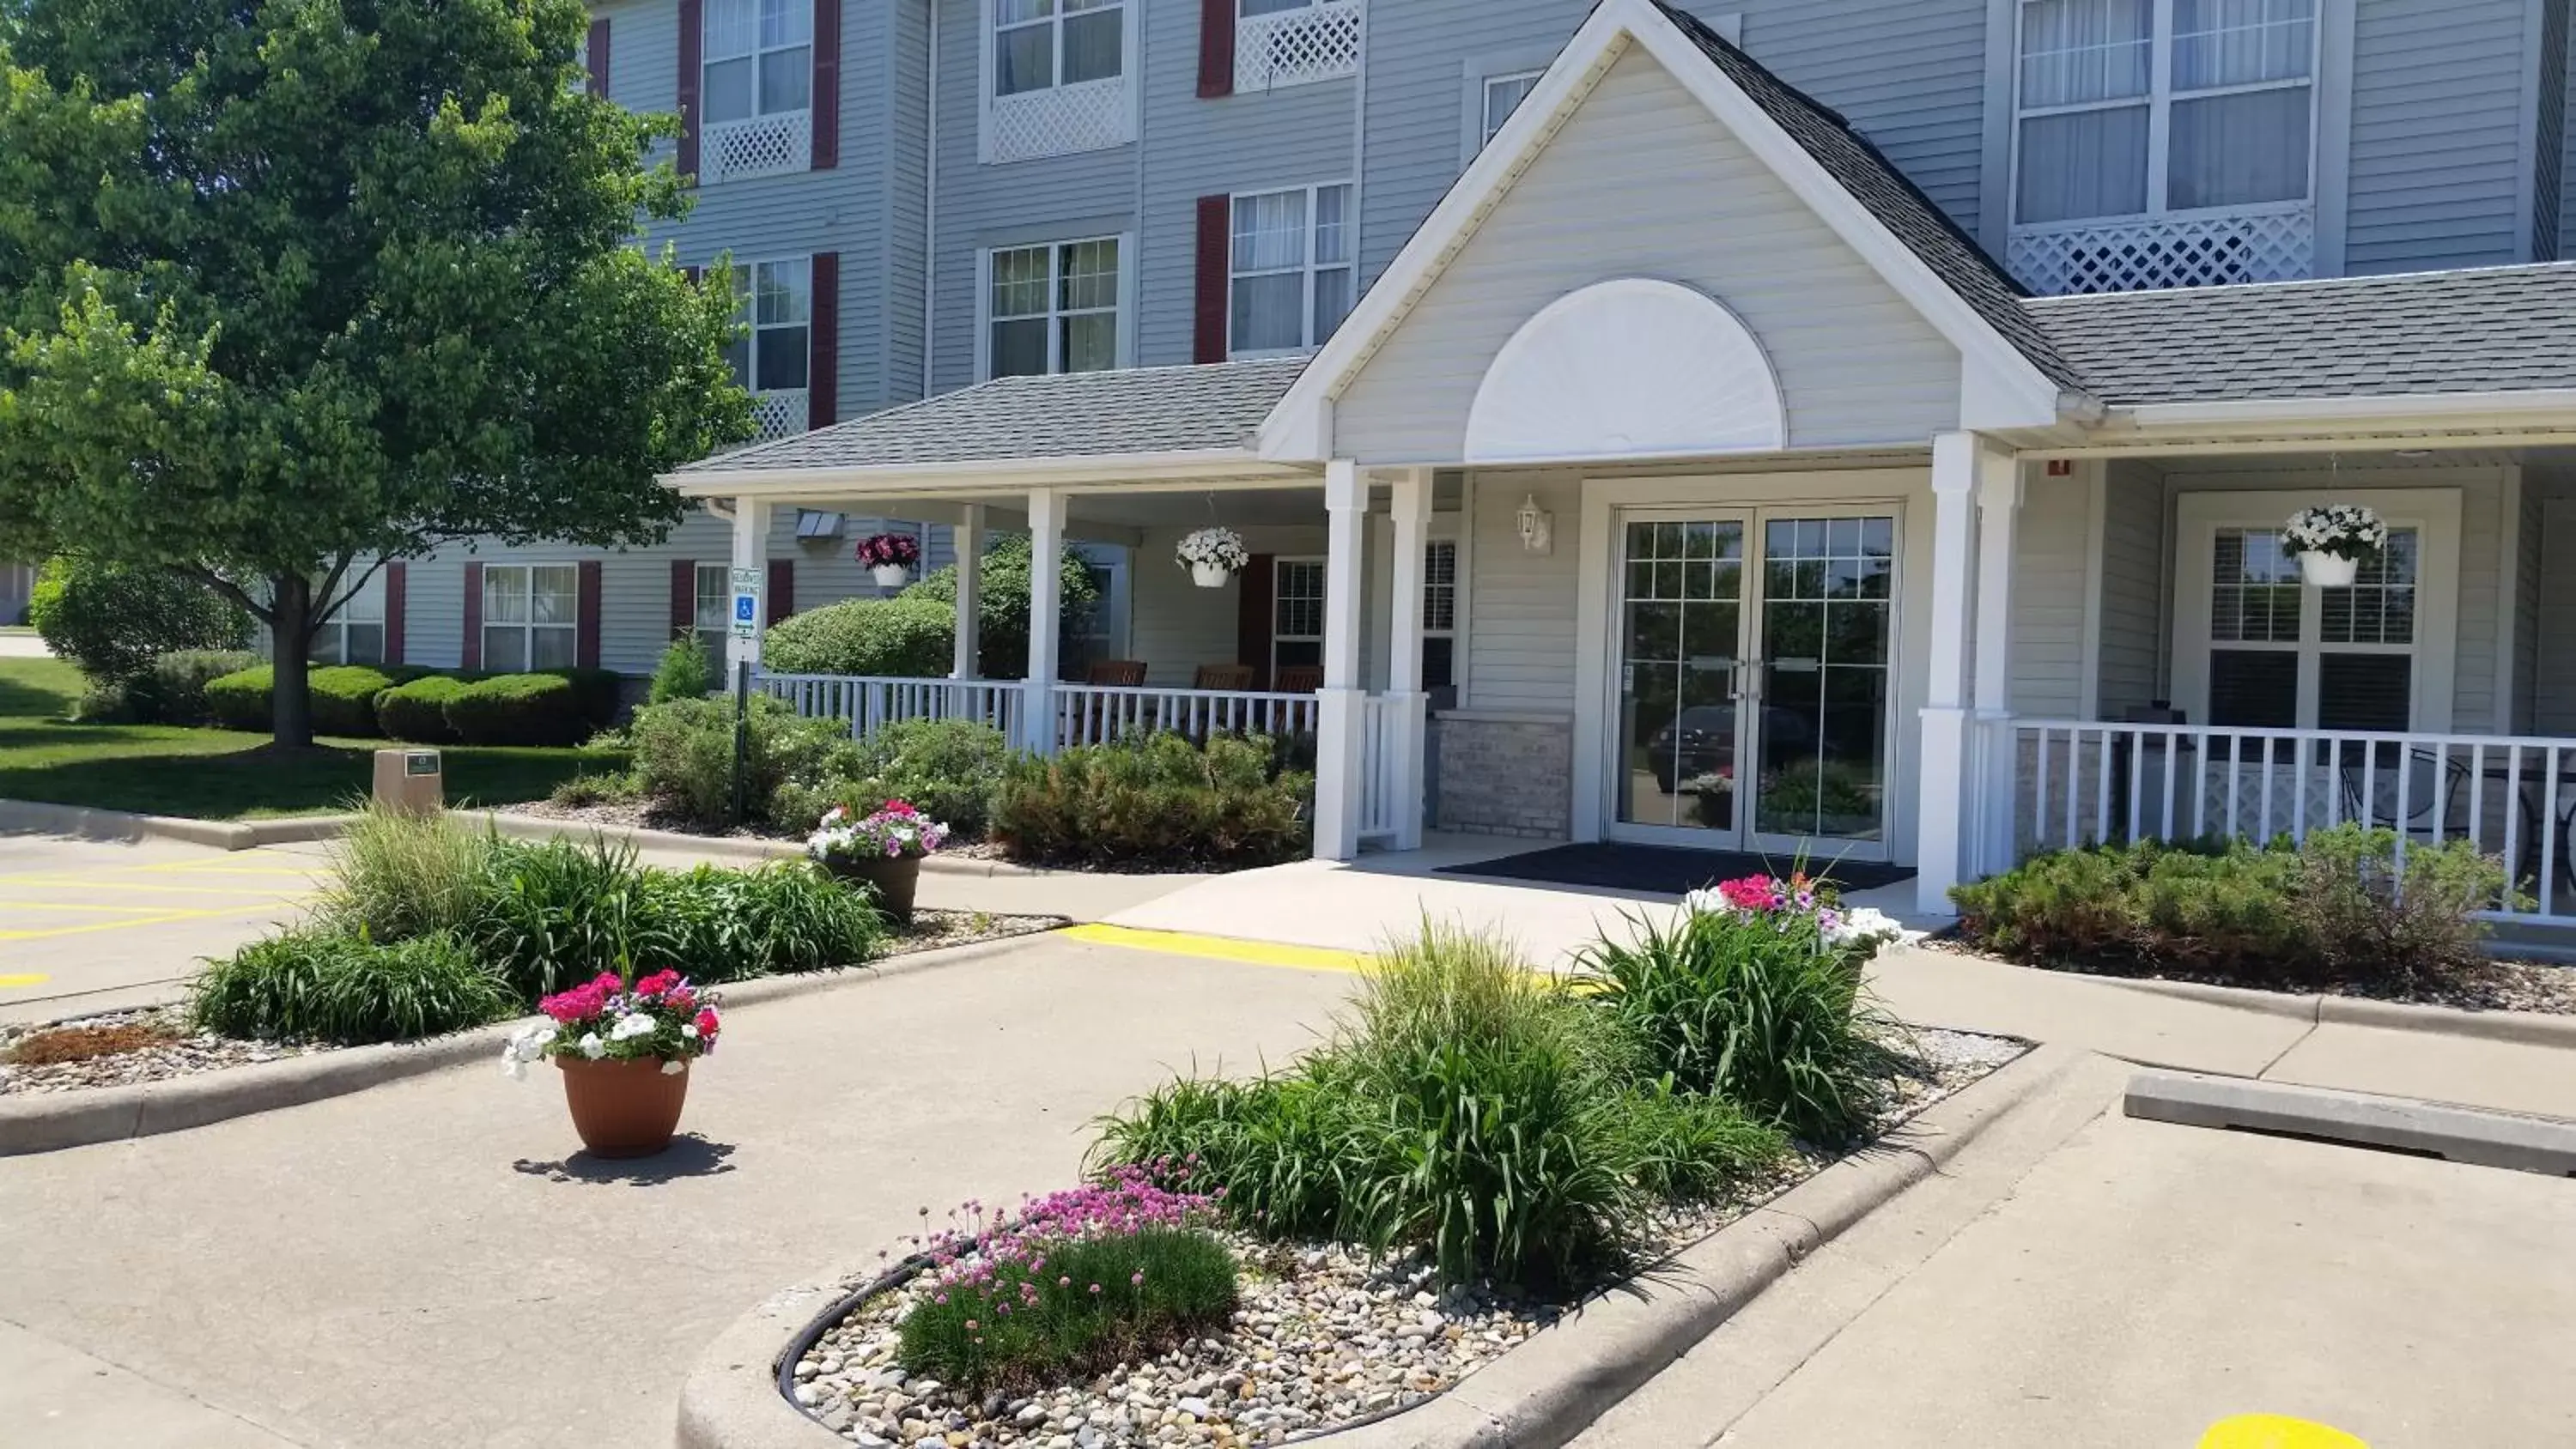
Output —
<point x="2334" y="541"/>
<point x="1213" y="555"/>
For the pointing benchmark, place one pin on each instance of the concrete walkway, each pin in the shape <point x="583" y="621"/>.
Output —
<point x="421" y="1264"/>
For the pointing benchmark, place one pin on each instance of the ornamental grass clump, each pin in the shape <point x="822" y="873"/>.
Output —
<point x="1073" y="1283"/>
<point x="346" y="990"/>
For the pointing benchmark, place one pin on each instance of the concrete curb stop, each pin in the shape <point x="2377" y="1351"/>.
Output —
<point x="1539" y="1395"/>
<point x="83" y="822"/>
<point x="53" y="1121"/>
<point x="2394" y="1124"/>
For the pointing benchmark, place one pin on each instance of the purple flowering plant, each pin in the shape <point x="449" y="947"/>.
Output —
<point x="893" y="833"/>
<point x="889" y="550"/>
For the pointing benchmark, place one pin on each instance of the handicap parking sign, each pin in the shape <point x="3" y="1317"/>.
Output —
<point x="746" y="615"/>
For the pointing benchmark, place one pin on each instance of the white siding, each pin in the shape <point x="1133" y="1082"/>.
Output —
<point x="2050" y="585"/>
<point x="1856" y="363"/>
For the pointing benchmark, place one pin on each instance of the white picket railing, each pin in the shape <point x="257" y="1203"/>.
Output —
<point x="870" y="703"/>
<point x="2076" y="782"/>
<point x="1087" y="714"/>
<point x="1382" y="772"/>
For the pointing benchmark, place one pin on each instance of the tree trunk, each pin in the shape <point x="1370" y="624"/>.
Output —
<point x="291" y="643"/>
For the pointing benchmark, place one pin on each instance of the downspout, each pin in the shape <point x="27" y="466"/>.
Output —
<point x="930" y="213"/>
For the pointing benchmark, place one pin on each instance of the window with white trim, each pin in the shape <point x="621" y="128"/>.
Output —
<point x="2130" y="108"/>
<point x="773" y="354"/>
<point x="355" y="634"/>
<point x="1047" y="44"/>
<point x="1292" y="280"/>
<point x="1296" y="614"/>
<point x="531" y="617"/>
<point x="1053" y="308"/>
<point x="1281" y="43"/>
<point x="712" y="608"/>
<point x="1440" y="613"/>
<point x="755" y="88"/>
<point x="1503" y="95"/>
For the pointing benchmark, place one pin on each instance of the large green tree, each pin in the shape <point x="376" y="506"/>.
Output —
<point x="292" y="287"/>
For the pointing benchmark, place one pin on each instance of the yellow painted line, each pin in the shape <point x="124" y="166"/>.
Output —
<point x="235" y="892"/>
<point x="1221" y="948"/>
<point x="192" y="868"/>
<point x="24" y="978"/>
<point x="102" y="926"/>
<point x="115" y="910"/>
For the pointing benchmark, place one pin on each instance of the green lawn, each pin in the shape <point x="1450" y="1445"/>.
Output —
<point x="212" y="774"/>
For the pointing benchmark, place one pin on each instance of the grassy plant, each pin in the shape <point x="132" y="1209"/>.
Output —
<point x="726" y="925"/>
<point x="1087" y="1305"/>
<point x="555" y="913"/>
<point x="608" y="788"/>
<point x="1757" y="1012"/>
<point x="346" y="990"/>
<point x="396" y="875"/>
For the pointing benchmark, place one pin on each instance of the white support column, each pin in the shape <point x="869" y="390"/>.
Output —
<point x="1999" y="498"/>
<point x="969" y="537"/>
<point x="1046" y="615"/>
<point x="1942" y="801"/>
<point x="750" y="551"/>
<point x="1338" y="716"/>
<point x="1411" y="505"/>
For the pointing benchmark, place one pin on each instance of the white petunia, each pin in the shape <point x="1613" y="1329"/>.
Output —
<point x="689" y="1029"/>
<point x="592" y="1047"/>
<point x="631" y="1026"/>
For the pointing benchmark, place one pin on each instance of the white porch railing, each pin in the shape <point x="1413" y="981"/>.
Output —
<point x="2081" y="782"/>
<point x="871" y="703"/>
<point x="1087" y="714"/>
<point x="1382" y="773"/>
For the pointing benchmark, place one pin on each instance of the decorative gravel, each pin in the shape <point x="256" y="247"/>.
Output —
<point x="184" y="1054"/>
<point x="1321" y="1339"/>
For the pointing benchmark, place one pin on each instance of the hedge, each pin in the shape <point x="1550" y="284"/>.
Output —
<point x="417" y="711"/>
<point x="518" y="709"/>
<point x="343" y="698"/>
<point x="240" y="701"/>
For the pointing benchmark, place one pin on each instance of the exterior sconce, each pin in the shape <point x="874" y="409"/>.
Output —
<point x="1538" y="529"/>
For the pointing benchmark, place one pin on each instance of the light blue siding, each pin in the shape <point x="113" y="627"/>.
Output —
<point x="2437" y="122"/>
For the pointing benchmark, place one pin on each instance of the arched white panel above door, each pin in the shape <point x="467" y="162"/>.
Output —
<point x="1634" y="368"/>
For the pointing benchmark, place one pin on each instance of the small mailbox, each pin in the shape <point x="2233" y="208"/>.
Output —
<point x="411" y="781"/>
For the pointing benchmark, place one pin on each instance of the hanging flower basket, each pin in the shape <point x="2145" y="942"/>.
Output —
<point x="2333" y="542"/>
<point x="624" y="1053"/>
<point x="890" y="557"/>
<point x="1213" y="555"/>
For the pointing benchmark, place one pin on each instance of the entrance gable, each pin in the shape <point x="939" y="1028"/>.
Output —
<point x="1642" y="182"/>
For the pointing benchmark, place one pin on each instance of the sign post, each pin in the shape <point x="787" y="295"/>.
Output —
<point x="746" y="625"/>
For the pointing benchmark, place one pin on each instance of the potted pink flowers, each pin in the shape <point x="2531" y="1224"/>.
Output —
<point x="882" y="851"/>
<point x="890" y="557"/>
<point x="624" y="1053"/>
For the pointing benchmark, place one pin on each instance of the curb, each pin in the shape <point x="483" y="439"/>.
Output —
<point x="2526" y="1027"/>
<point x="1538" y="1396"/>
<point x="53" y="1121"/>
<point x="89" y="823"/>
<point x="731" y="847"/>
<point x="2454" y="1134"/>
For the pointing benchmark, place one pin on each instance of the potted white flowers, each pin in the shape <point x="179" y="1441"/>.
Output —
<point x="1213" y="555"/>
<point x="2333" y="542"/>
<point x="890" y="557"/>
<point x="881" y="851"/>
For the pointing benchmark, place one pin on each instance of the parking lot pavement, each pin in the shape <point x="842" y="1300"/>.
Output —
<point x="89" y="925"/>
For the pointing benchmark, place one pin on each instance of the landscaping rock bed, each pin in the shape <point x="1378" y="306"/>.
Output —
<point x="1322" y="1339"/>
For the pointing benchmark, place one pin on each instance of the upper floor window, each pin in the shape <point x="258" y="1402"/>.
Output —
<point x="1292" y="281"/>
<point x="1503" y="95"/>
<point x="773" y="355"/>
<point x="1056" y="77"/>
<point x="756" y="88"/>
<point x="1292" y="42"/>
<point x="1053" y="308"/>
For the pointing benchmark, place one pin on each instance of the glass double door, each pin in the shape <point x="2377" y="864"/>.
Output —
<point x="1753" y="671"/>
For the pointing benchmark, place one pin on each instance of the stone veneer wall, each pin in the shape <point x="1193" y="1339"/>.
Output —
<point x="1504" y="774"/>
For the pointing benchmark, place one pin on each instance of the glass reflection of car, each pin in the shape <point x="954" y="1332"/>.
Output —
<point x="1697" y="749"/>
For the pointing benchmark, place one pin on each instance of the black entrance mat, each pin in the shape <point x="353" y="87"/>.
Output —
<point x="1663" y="870"/>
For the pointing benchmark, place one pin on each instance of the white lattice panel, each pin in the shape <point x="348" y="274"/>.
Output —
<point x="2198" y="251"/>
<point x="1292" y="47"/>
<point x="778" y="413"/>
<point x="761" y="146"/>
<point x="1091" y="116"/>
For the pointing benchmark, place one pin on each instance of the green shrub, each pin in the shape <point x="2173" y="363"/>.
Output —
<point x="949" y="769"/>
<point x="239" y="701"/>
<point x="555" y="913"/>
<point x="616" y="787"/>
<point x="684" y="756"/>
<point x="1155" y="1286"/>
<point x="1002" y="604"/>
<point x="172" y="688"/>
<point x="113" y="620"/>
<point x="344" y="699"/>
<point x="905" y="635"/>
<point x="310" y="985"/>
<point x="1153" y="800"/>
<point x="1756" y="1011"/>
<point x="594" y="692"/>
<point x="685" y="672"/>
<point x="417" y="710"/>
<point x="2371" y="918"/>
<point x="517" y="709"/>
<point x="395" y="876"/>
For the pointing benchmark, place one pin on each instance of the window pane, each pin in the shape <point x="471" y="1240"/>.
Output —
<point x="2379" y="608"/>
<point x="2254" y="689"/>
<point x="553" y="648"/>
<point x="1270" y="231"/>
<point x="727" y="93"/>
<point x="786" y="22"/>
<point x="730" y="28"/>
<point x="2255" y="594"/>
<point x="2241" y="42"/>
<point x="1090" y="275"/>
<point x="366" y="644"/>
<point x="2073" y="51"/>
<point x="553" y="594"/>
<point x="786" y="80"/>
<point x="1269" y="312"/>
<point x="1095" y="46"/>
<point x="784" y="293"/>
<point x="1439" y="663"/>
<point x="326" y="646"/>
<point x="2237" y="150"/>
<point x="1274" y="7"/>
<point x="1332" y="234"/>
<point x="367" y="605"/>
<point x="1015" y="12"/>
<point x="1503" y="96"/>
<point x="505" y="595"/>
<point x="1020" y="348"/>
<point x="505" y="650"/>
<point x="1020" y="282"/>
<point x="2365" y="691"/>
<point x="1024" y="60"/>
<point x="1091" y="342"/>
<point x="1332" y="303"/>
<point x="783" y="359"/>
<point x="2084" y="163"/>
<point x="715" y="598"/>
<point x="1298" y="607"/>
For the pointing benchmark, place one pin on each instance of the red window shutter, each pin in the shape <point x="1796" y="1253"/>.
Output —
<point x="471" y="655"/>
<point x="684" y="597"/>
<point x="1252" y="617"/>
<point x="396" y="586"/>
<point x="692" y="43"/>
<point x="585" y="649"/>
<point x="823" y="342"/>
<point x="1216" y="48"/>
<point x="595" y="57"/>
<point x="827" y="84"/>
<point x="782" y="589"/>
<point x="1215" y="262"/>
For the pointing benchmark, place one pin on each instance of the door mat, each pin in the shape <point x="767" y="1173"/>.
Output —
<point x="1664" y="870"/>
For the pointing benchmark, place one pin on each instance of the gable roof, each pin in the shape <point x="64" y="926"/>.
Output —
<point x="1146" y="410"/>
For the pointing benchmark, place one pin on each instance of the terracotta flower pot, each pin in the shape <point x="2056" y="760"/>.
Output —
<point x="892" y="879"/>
<point x="623" y="1108"/>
